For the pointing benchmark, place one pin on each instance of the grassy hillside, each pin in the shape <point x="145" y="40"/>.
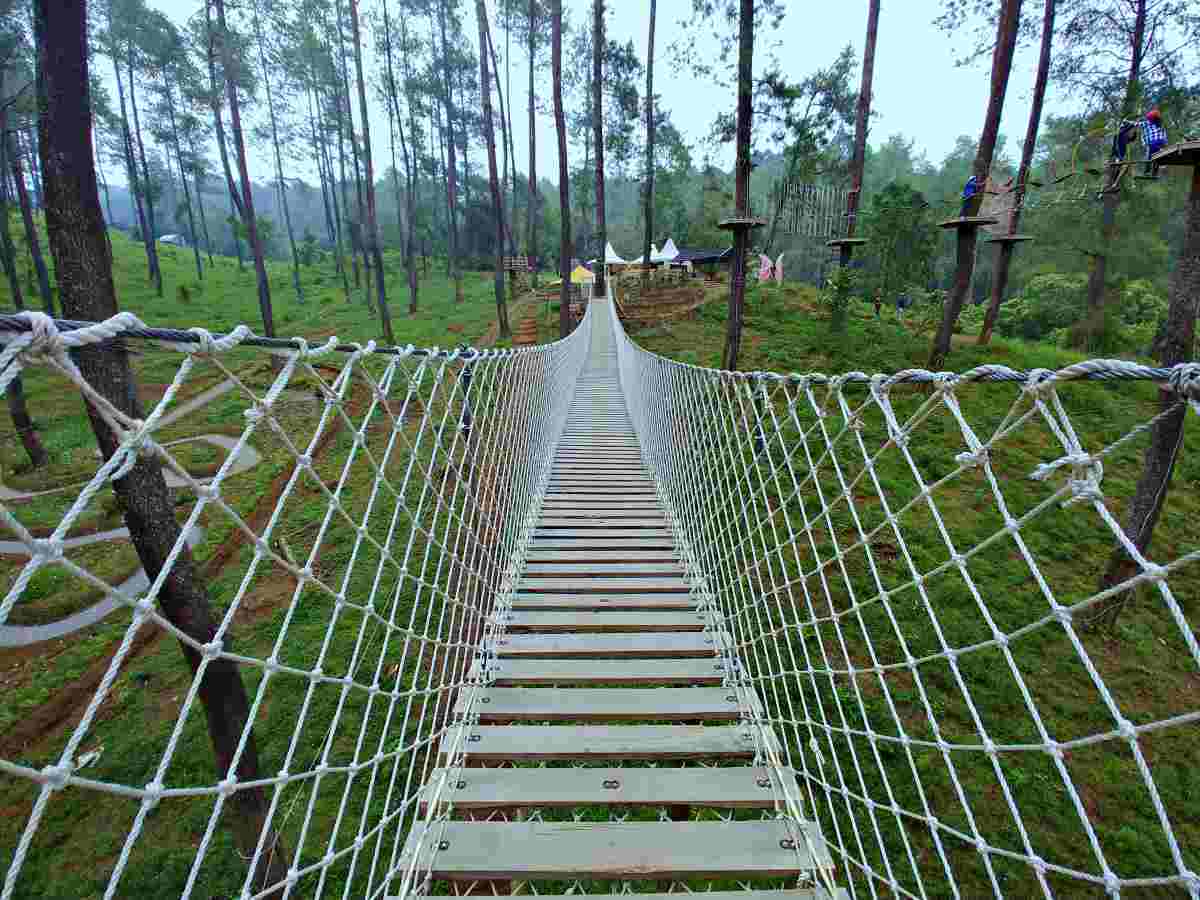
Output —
<point x="47" y="685"/>
<point x="226" y="297"/>
<point x="813" y="551"/>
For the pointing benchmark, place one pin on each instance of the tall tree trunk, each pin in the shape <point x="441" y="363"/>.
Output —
<point x="649" y="187"/>
<point x="1005" y="254"/>
<point x="18" y="409"/>
<point x="246" y="207"/>
<point x="531" y="241"/>
<point x="451" y="160"/>
<point x="411" y="169"/>
<point x="862" y="123"/>
<point x="385" y="315"/>
<point x="198" y="185"/>
<point x="287" y="215"/>
<point x="83" y="268"/>
<point x="322" y="175"/>
<point x="489" y="136"/>
<point x="512" y="246"/>
<point x="1093" y="327"/>
<point x="1008" y="23"/>
<point x="741" y="191"/>
<point x="187" y="192"/>
<point x="110" y="220"/>
<point x="346" y="119"/>
<point x="407" y="213"/>
<point x="135" y="186"/>
<point x="147" y="190"/>
<point x="598" y="130"/>
<point x="467" y="247"/>
<point x="339" y="237"/>
<point x="35" y="172"/>
<point x="345" y="219"/>
<point x="215" y="94"/>
<point x="1166" y="436"/>
<point x="31" y="234"/>
<point x="564" y="179"/>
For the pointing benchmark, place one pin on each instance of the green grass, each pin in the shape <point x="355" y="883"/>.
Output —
<point x="1145" y="663"/>
<point x="82" y="832"/>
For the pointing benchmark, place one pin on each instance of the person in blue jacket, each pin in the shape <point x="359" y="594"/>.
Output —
<point x="1154" y="138"/>
<point x="970" y="189"/>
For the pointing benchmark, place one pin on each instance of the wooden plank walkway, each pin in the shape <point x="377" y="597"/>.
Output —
<point x="606" y="657"/>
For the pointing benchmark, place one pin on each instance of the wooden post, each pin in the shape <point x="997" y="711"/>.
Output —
<point x="1005" y="253"/>
<point x="968" y="226"/>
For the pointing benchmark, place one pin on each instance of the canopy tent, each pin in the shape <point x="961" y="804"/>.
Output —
<point x="654" y="257"/>
<point x="667" y="254"/>
<point x="611" y="258"/>
<point x="580" y="275"/>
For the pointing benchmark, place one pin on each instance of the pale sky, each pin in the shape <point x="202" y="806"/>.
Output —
<point x="918" y="89"/>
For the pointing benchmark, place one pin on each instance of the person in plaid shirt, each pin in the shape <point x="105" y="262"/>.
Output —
<point x="1154" y="138"/>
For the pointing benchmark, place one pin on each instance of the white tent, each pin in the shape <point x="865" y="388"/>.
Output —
<point x="668" y="252"/>
<point x="611" y="258"/>
<point x="654" y="257"/>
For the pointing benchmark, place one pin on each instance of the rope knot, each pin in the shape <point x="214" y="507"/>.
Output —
<point x="47" y="549"/>
<point x="1040" y="382"/>
<point x="206" y="343"/>
<point x="972" y="459"/>
<point x="945" y="382"/>
<point x="1084" y="481"/>
<point x="1185" y="379"/>
<point x="44" y="338"/>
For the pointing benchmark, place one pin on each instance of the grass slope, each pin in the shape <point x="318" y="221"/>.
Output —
<point x="46" y="686"/>
<point x="872" y="610"/>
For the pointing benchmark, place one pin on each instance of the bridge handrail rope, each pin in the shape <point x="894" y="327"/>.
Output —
<point x="428" y="466"/>
<point x="761" y="474"/>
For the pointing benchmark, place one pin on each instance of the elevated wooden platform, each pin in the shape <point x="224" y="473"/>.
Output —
<point x="1185" y="153"/>
<point x="606" y="657"/>
<point x="1009" y="238"/>
<point x="969" y="222"/>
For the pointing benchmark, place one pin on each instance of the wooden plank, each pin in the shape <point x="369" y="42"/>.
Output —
<point x="603" y="585"/>
<point x="715" y="788"/>
<point x="600" y="482"/>
<point x="593" y="555"/>
<point x="518" y="672"/>
<point x="608" y="522"/>
<point x="647" y="505"/>
<point x="562" y="622"/>
<point x="604" y="537"/>
<point x="579" y="517"/>
<point x="582" y="646"/>
<point x="579" y="493"/>
<point x="788" y="894"/>
<point x="633" y="569"/>
<point x="470" y="851"/>
<point x="596" y="743"/>
<point x="604" y="601"/>
<point x="666" y="704"/>
<point x="557" y="541"/>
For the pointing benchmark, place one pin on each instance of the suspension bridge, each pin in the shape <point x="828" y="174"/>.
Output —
<point x="580" y="619"/>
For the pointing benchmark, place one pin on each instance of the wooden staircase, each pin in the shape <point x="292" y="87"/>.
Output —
<point x="606" y="641"/>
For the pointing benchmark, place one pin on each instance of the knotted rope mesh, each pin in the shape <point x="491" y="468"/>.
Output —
<point x="904" y="565"/>
<point x="356" y="517"/>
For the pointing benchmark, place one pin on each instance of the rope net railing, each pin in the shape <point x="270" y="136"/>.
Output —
<point x="905" y="567"/>
<point x="344" y="521"/>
